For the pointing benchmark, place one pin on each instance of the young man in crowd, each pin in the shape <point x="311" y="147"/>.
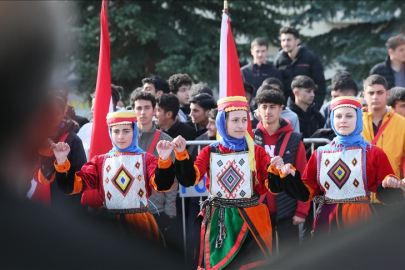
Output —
<point x="259" y="69"/>
<point x="167" y="107"/>
<point x="342" y="84"/>
<point x="200" y="106"/>
<point x="286" y="113"/>
<point x="200" y="88"/>
<point x="392" y="69"/>
<point x="382" y="126"/>
<point x="155" y="85"/>
<point x="274" y="82"/>
<point x="145" y="107"/>
<point x="396" y="100"/>
<point x="309" y="118"/>
<point x="296" y="59"/>
<point x="180" y="85"/>
<point x="279" y="139"/>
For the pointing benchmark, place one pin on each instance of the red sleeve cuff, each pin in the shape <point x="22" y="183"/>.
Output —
<point x="300" y="215"/>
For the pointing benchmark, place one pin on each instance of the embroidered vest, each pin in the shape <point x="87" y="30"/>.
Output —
<point x="342" y="175"/>
<point x="124" y="181"/>
<point x="230" y="175"/>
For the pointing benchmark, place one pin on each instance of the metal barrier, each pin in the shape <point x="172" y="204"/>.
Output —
<point x="312" y="141"/>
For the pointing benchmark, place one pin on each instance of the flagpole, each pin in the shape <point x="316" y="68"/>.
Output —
<point x="226" y="7"/>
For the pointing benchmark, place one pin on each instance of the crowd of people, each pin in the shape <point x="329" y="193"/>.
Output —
<point x="260" y="186"/>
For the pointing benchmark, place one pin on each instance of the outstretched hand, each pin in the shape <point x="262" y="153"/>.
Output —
<point x="179" y="144"/>
<point x="164" y="149"/>
<point x="60" y="150"/>
<point x="277" y="161"/>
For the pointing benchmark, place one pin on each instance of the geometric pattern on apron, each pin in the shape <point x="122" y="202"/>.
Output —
<point x="230" y="176"/>
<point x="342" y="174"/>
<point x="124" y="181"/>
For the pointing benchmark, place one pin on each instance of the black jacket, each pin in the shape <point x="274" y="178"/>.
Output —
<point x="180" y="128"/>
<point x="197" y="128"/>
<point x="384" y="69"/>
<point x="305" y="63"/>
<point x="77" y="159"/>
<point x="310" y="121"/>
<point x="79" y="119"/>
<point x="255" y="75"/>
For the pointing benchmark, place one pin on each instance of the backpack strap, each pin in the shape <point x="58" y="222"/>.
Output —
<point x="284" y="143"/>
<point x="154" y="141"/>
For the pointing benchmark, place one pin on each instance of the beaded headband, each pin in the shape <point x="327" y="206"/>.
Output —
<point x="121" y="118"/>
<point x="236" y="103"/>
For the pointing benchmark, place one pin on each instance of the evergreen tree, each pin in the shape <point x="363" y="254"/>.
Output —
<point x="167" y="37"/>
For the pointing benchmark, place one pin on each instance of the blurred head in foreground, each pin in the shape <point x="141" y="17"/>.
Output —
<point x="28" y="56"/>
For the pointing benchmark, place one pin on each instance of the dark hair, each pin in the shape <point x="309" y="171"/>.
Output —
<point x="396" y="94"/>
<point x="144" y="96"/>
<point x="115" y="94"/>
<point x="61" y="94"/>
<point x="249" y="89"/>
<point x="259" y="41"/>
<point x="302" y="81"/>
<point x="200" y="88"/>
<point x="270" y="96"/>
<point x="213" y="113"/>
<point x="290" y="30"/>
<point x="375" y="79"/>
<point x="205" y="101"/>
<point x="345" y="85"/>
<point x="267" y="87"/>
<point x="394" y="42"/>
<point x="169" y="103"/>
<point x="132" y="96"/>
<point x="159" y="83"/>
<point x="58" y="99"/>
<point x="272" y="80"/>
<point x="177" y="80"/>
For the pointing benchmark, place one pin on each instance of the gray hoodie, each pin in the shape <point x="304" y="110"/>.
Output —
<point x="163" y="201"/>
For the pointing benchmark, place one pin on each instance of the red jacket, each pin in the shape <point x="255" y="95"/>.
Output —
<point x="300" y="163"/>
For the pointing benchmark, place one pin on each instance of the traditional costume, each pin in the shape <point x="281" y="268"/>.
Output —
<point x="124" y="178"/>
<point x="235" y="228"/>
<point x="346" y="171"/>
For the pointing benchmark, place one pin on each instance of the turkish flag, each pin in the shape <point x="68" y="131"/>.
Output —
<point x="230" y="77"/>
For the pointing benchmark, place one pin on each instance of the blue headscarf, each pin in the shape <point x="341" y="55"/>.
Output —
<point x="226" y="140"/>
<point x="122" y="115"/>
<point x="353" y="139"/>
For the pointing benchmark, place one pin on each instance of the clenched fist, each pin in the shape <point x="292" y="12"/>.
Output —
<point x="179" y="144"/>
<point x="60" y="150"/>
